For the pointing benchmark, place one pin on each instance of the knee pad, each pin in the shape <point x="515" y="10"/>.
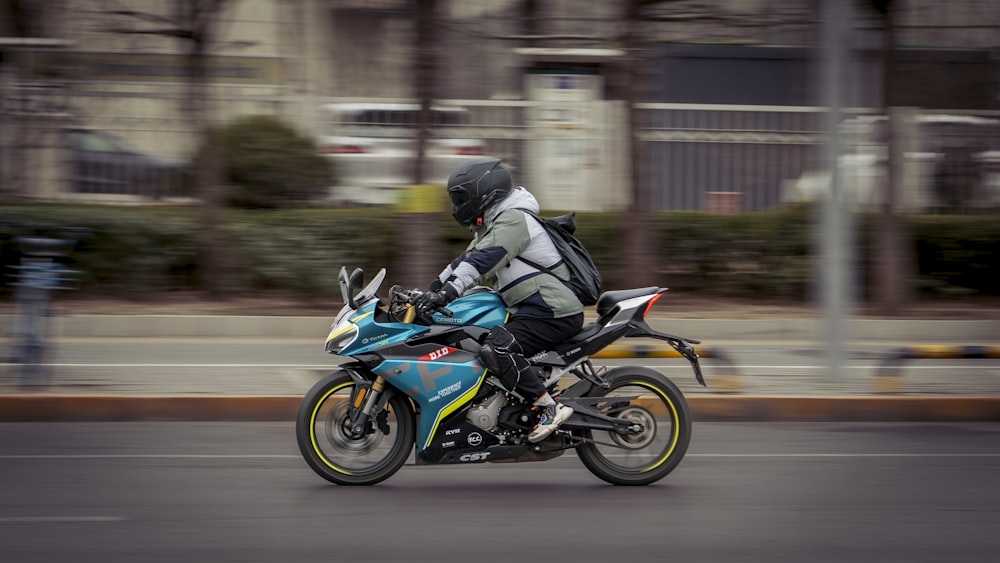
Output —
<point x="501" y="354"/>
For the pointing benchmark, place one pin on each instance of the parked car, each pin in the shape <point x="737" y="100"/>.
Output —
<point x="372" y="147"/>
<point x="954" y="165"/>
<point x="103" y="163"/>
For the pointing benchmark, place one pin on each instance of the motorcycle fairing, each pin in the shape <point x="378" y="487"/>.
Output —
<point x="375" y="335"/>
<point x="438" y="387"/>
<point x="483" y="309"/>
<point x="455" y="439"/>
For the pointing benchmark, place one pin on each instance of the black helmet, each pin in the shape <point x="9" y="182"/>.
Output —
<point x="474" y="187"/>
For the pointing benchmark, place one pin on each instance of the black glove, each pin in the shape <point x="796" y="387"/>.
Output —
<point x="431" y="301"/>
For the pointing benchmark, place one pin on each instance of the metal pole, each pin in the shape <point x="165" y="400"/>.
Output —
<point x="834" y="263"/>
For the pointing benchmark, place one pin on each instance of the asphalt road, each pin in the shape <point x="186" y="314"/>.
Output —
<point x="227" y="492"/>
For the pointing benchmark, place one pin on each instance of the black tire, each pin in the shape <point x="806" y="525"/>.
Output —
<point x="651" y="455"/>
<point x="337" y="457"/>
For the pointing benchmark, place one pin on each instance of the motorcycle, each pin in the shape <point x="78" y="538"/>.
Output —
<point x="415" y="385"/>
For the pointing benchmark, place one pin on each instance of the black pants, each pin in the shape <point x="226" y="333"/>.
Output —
<point x="531" y="335"/>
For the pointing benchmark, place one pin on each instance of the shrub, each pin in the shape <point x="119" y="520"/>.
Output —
<point x="143" y="251"/>
<point x="268" y="165"/>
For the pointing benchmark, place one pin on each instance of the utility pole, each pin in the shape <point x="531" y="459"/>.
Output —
<point x="835" y="267"/>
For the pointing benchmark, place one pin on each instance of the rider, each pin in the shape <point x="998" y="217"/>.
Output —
<point x="543" y="311"/>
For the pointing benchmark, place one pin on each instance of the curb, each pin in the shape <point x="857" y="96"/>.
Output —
<point x="888" y="377"/>
<point x="120" y="408"/>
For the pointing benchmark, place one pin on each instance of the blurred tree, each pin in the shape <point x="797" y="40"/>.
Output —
<point x="195" y="23"/>
<point x="641" y="249"/>
<point x="420" y="248"/>
<point x="30" y="117"/>
<point x="895" y="259"/>
<point x="21" y="18"/>
<point x="269" y="165"/>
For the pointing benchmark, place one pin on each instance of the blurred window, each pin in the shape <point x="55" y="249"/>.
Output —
<point x="94" y="142"/>
<point x="402" y="117"/>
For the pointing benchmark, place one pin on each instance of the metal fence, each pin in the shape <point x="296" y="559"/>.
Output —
<point x="727" y="158"/>
<point x="574" y="155"/>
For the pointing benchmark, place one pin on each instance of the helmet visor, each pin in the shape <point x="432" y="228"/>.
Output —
<point x="459" y="197"/>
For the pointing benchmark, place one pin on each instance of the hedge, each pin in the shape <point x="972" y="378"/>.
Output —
<point x="144" y="250"/>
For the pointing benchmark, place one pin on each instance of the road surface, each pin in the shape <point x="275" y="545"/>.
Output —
<point x="238" y="492"/>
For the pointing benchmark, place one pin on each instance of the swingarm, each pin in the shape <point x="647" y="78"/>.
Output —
<point x="586" y="417"/>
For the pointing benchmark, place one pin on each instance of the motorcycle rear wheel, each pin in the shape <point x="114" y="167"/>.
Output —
<point x="646" y="457"/>
<point x="328" y="447"/>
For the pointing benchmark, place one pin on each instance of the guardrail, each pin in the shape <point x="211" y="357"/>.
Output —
<point x="889" y="375"/>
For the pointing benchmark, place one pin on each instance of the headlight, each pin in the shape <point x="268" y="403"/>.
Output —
<point x="340" y="336"/>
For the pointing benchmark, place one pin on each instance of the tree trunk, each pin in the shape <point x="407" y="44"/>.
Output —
<point x="207" y="174"/>
<point x="893" y="255"/>
<point x="420" y="253"/>
<point x="640" y="264"/>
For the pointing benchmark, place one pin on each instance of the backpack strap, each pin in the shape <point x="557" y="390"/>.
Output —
<point x="549" y="271"/>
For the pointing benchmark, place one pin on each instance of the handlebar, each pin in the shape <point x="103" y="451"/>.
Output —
<point x="409" y="297"/>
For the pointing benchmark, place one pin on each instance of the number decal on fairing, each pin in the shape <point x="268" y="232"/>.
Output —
<point x="439" y="353"/>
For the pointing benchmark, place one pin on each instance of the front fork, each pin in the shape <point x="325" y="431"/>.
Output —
<point x="368" y="402"/>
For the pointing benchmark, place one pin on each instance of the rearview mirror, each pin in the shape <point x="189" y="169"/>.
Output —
<point x="357" y="280"/>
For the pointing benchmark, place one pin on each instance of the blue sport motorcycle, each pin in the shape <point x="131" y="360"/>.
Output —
<point x="416" y="386"/>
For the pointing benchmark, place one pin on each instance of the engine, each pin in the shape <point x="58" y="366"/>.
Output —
<point x="486" y="413"/>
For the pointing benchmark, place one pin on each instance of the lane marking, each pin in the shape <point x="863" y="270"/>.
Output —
<point x="123" y="365"/>
<point x="59" y="519"/>
<point x="149" y="456"/>
<point x="714" y="455"/>
<point x="872" y="365"/>
<point x="170" y="340"/>
<point x="850" y="455"/>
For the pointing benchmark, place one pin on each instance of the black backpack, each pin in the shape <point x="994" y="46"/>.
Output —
<point x="584" y="279"/>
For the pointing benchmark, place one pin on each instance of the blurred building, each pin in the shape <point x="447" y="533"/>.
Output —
<point x="729" y="88"/>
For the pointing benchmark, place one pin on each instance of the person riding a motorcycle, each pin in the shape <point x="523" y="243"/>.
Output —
<point x="543" y="310"/>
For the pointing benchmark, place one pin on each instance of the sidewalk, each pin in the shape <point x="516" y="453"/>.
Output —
<point x="753" y="331"/>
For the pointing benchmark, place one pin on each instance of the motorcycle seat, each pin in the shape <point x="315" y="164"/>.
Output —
<point x="586" y="331"/>
<point x="609" y="299"/>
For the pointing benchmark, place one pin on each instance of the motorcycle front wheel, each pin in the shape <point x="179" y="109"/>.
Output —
<point x="322" y="429"/>
<point x="650" y="454"/>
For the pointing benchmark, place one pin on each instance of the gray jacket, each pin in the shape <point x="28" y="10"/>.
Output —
<point x="492" y="259"/>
